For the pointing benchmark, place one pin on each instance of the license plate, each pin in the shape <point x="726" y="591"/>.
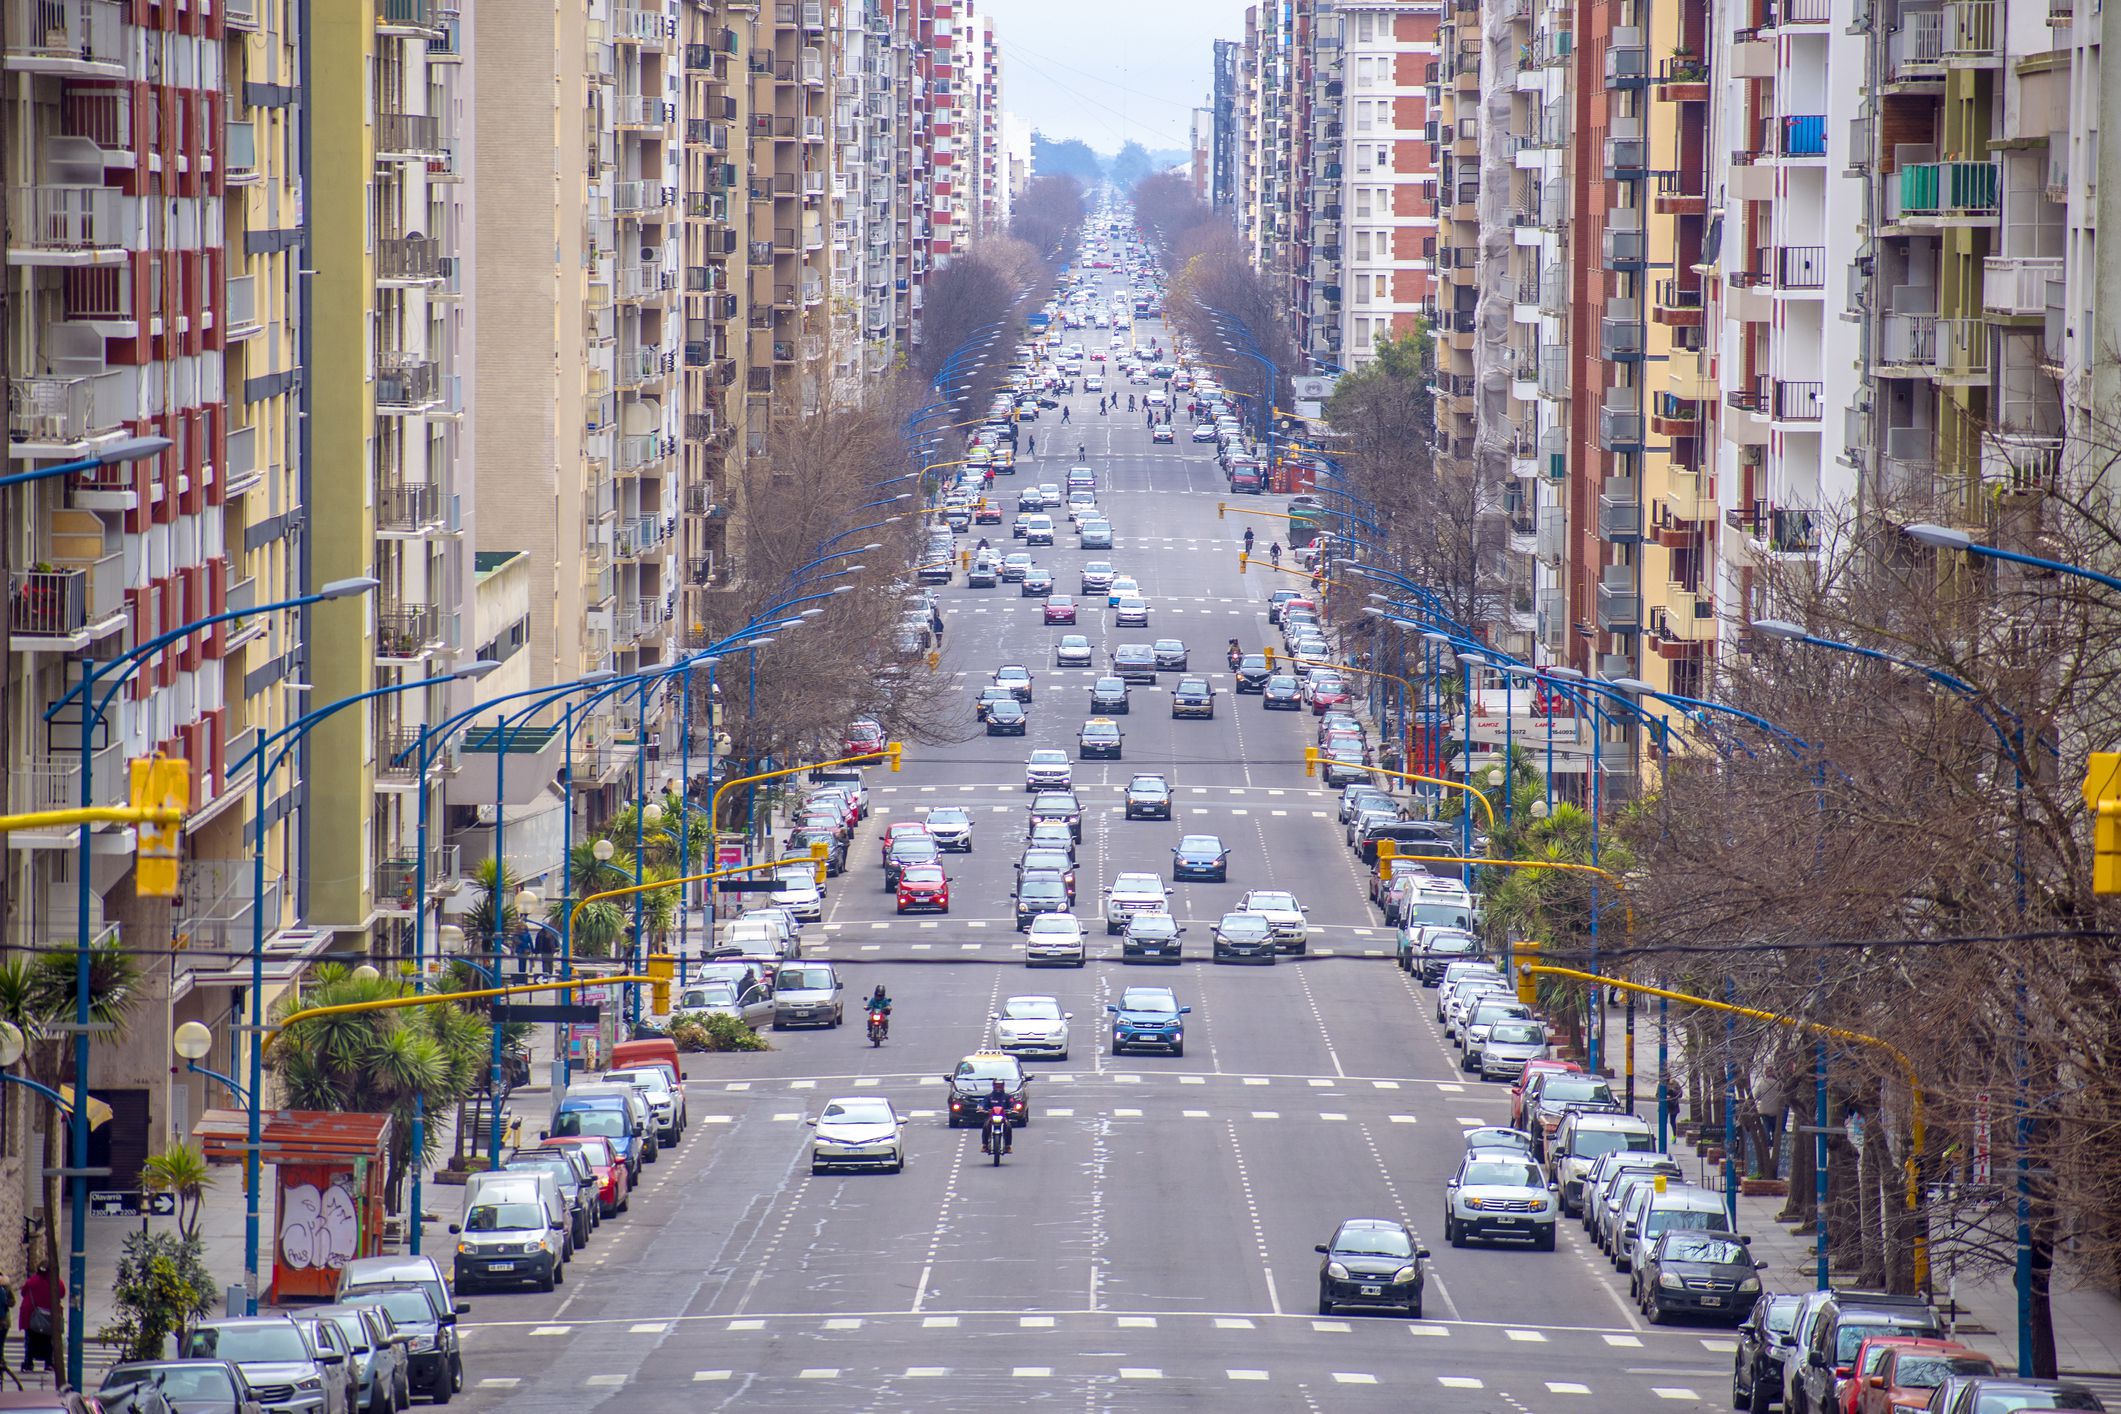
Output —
<point x="1373" y="1291"/>
<point x="1712" y="1300"/>
<point x="1507" y="1222"/>
<point x="500" y="1266"/>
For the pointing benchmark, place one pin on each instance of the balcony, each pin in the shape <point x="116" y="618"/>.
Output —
<point x="1962" y="351"/>
<point x="1792" y="532"/>
<point x="1625" y="246"/>
<point x="1619" y="428"/>
<point x="60" y="224"/>
<point x="631" y="26"/>
<point x="1674" y="416"/>
<point x="1620" y="511"/>
<point x="1626" y="152"/>
<point x="1800" y="267"/>
<point x="639" y="365"/>
<point x="408" y="259"/>
<point x="1620" y="332"/>
<point x="406" y="632"/>
<point x="1619" y="604"/>
<point x="46" y="416"/>
<point x="1943" y="194"/>
<point x="1626" y="61"/>
<point x="643" y="280"/>
<point x="407" y="382"/>
<point x="2018" y="287"/>
<point x="1684" y="623"/>
<point x="397" y="756"/>
<point x="54" y="782"/>
<point x="639" y="198"/>
<point x="85" y="38"/>
<point x="65" y="608"/>
<point x="397" y="884"/>
<point x="1971" y="32"/>
<point x="408" y="508"/>
<point x="639" y="620"/>
<point x="633" y="110"/>
<point x="1676" y="306"/>
<point x="637" y="537"/>
<point x="1801" y="135"/>
<point x="1793" y="401"/>
<point x="408" y="135"/>
<point x="639" y="452"/>
<point x="1675" y="195"/>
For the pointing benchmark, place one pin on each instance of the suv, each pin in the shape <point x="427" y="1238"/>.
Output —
<point x="1427" y="951"/>
<point x="1058" y="807"/>
<point x="1130" y="894"/>
<point x="1499" y="1194"/>
<point x="1763" y="1341"/>
<point x="1193" y="697"/>
<point x="1148" y="798"/>
<point x="1292" y="932"/>
<point x="1584" y="1137"/>
<point x="1832" y="1330"/>
<point x="1148" y="1017"/>
<point x="966" y="1088"/>
<point x="280" y="1360"/>
<point x="1134" y="662"/>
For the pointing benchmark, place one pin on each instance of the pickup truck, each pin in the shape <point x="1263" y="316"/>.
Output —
<point x="1133" y="893"/>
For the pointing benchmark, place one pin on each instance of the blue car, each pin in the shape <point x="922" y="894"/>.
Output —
<point x="1148" y="1018"/>
<point x="1200" y="857"/>
<point x="604" y="1116"/>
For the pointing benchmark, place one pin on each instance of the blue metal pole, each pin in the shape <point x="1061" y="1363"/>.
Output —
<point x="1593" y="1031"/>
<point x="640" y="846"/>
<point x="565" y="1035"/>
<point x="684" y="814"/>
<point x="1730" y="1105"/>
<point x="1509" y="747"/>
<point x="1465" y="804"/>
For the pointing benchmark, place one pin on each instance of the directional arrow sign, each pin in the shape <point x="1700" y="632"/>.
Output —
<point x="162" y="1205"/>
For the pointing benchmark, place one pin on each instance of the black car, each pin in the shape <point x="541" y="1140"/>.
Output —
<point x="1098" y="740"/>
<point x="1007" y="718"/>
<point x="1695" y="1273"/>
<point x="1151" y="935"/>
<point x="1200" y="857"/>
<point x="1244" y="936"/>
<point x="1148" y="798"/>
<point x="983" y="575"/>
<point x="1059" y="805"/>
<point x="1437" y="949"/>
<point x="1037" y="584"/>
<point x="1057" y="862"/>
<point x="968" y="1086"/>
<point x="165" y="1386"/>
<point x="1108" y="697"/>
<point x="1253" y="672"/>
<point x="905" y="850"/>
<point x="1192" y="697"/>
<point x="1763" y="1344"/>
<point x="835" y="847"/>
<point x="1281" y="693"/>
<point x="1170" y="654"/>
<point x="1039" y="891"/>
<point x="1134" y="662"/>
<point x="437" y="1361"/>
<point x="1371" y="1262"/>
<point x="992" y="693"/>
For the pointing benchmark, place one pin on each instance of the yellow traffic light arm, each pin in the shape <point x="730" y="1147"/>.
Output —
<point x="430" y="998"/>
<point x="714" y="806"/>
<point x="1313" y="760"/>
<point x="816" y="858"/>
<point x="1917" y="1118"/>
<point x="92" y="815"/>
<point x="1223" y="507"/>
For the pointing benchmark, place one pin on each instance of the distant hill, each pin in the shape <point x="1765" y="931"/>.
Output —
<point x="1070" y="158"/>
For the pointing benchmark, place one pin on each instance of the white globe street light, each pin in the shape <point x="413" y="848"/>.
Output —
<point x="193" y="1041"/>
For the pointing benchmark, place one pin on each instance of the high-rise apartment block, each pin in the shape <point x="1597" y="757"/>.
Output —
<point x="1333" y="173"/>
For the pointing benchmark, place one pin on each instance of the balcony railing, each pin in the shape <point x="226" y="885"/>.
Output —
<point x="2019" y="285"/>
<point x="640" y="196"/>
<point x="406" y="380"/>
<point x="1908" y="339"/>
<point x="639" y="365"/>
<point x="1946" y="191"/>
<point x="405" y="630"/>
<point x="1800" y="267"/>
<point x="1802" y="135"/>
<point x="639" y="26"/>
<point x="54" y="782"/>
<point x="66" y="410"/>
<point x="637" y="537"/>
<point x="408" y="258"/>
<point x="55" y="603"/>
<point x="639" y="450"/>
<point x="408" y="506"/>
<point x="408" y="132"/>
<point x="1799" y="401"/>
<point x="65" y="218"/>
<point x="66" y="31"/>
<point x="398" y="754"/>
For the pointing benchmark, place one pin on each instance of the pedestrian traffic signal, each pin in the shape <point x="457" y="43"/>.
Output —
<point x="158" y="783"/>
<point x="661" y="968"/>
<point x="1220" y="510"/>
<point x="2102" y="797"/>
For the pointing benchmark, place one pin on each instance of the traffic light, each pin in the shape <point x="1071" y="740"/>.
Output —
<point x="1310" y="760"/>
<point x="2102" y="797"/>
<point x="1527" y="981"/>
<point x="1221" y="510"/>
<point x="819" y="853"/>
<point x="894" y="751"/>
<point x="662" y="966"/>
<point x="158" y="782"/>
<point x="1270" y="659"/>
<point x="1243" y="558"/>
<point x="1387" y="851"/>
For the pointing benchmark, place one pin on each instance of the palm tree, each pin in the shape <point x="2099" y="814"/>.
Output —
<point x="379" y="1062"/>
<point x="659" y="907"/>
<point x="586" y="874"/>
<point x="492" y="917"/>
<point x="597" y="926"/>
<point x="182" y="1170"/>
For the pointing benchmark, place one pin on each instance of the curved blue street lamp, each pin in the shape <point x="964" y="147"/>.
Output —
<point x="1943" y="537"/>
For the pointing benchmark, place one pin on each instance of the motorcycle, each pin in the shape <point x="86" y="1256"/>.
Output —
<point x="1235" y="658"/>
<point x="878" y="1026"/>
<point x="996" y="1141"/>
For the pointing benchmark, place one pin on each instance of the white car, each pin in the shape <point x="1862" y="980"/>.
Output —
<point x="1130" y="894"/>
<point x="1032" y="1026"/>
<point x="951" y="827"/>
<point x="863" y="1131"/>
<point x="800" y="895"/>
<point x="1049" y="770"/>
<point x="1055" y="938"/>
<point x="1093" y="384"/>
<point x="1292" y="932"/>
<point x="1072" y="650"/>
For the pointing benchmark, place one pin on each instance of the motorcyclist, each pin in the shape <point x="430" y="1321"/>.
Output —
<point x="998" y="1100"/>
<point x="1274" y="552"/>
<point x="1236" y="655"/>
<point x="880" y="1001"/>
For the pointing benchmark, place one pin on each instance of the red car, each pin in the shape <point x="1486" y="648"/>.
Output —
<point x="614" y="1192"/>
<point x="1532" y="1068"/>
<point x="1326" y="691"/>
<point x="862" y="738"/>
<point x="1060" y="608"/>
<point x="1907" y="1370"/>
<point x="987" y="512"/>
<point x="923" y="886"/>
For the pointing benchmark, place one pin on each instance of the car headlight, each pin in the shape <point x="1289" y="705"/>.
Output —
<point x="1671" y="1283"/>
<point x="1472" y="1202"/>
<point x="463" y="1249"/>
<point x="1749" y="1287"/>
<point x="309" y="1386"/>
<point x="1336" y="1271"/>
<point x="1405" y="1274"/>
<point x="423" y="1342"/>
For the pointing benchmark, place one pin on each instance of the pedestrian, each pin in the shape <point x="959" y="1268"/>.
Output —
<point x="1064" y="414"/>
<point x="548" y="952"/>
<point x="1031" y="445"/>
<point x="7" y="1305"/>
<point x="41" y="1296"/>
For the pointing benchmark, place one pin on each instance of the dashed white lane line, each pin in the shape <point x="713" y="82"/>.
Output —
<point x="1032" y="1372"/>
<point x="925" y="1372"/>
<point x="1566" y="1387"/>
<point x="1331" y="1327"/>
<point x="747" y="1325"/>
<point x="1245" y="1374"/>
<point x="1342" y="1377"/>
<point x="499" y="1382"/>
<point x="817" y="1373"/>
<point x="1034" y="1322"/>
<point x="700" y="1377"/>
<point x="606" y="1381"/>
<point x="844" y="1323"/>
<point x="551" y="1330"/>
<point x="648" y="1328"/>
<point x="940" y="1323"/>
<point x="1233" y="1323"/>
<point x="1459" y="1382"/>
<point x="1533" y="1336"/>
<point x="1625" y="1342"/>
<point x="1137" y="1322"/>
<point x="1137" y="1372"/>
<point x="1428" y="1330"/>
<point x="1674" y="1393"/>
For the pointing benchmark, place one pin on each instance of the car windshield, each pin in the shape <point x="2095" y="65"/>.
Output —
<point x="408" y="1306"/>
<point x="1697" y="1220"/>
<point x="1152" y="925"/>
<point x="1150" y="786"/>
<point x="649" y="1079"/>
<point x="1520" y="1033"/>
<point x="1850" y="1334"/>
<point x="503" y="1217"/>
<point x="1161" y="1003"/>
<point x="1095" y="729"/>
<point x="1563" y="1089"/>
<point x="987" y="1068"/>
<point x="179" y="1382"/>
<point x="1590" y="1143"/>
<point x="715" y="994"/>
<point x="860" y="1111"/>
<point x="605" y="1124"/>
<point x="1108" y="685"/>
<point x="1439" y="915"/>
<point x="266" y="1341"/>
<point x="1929" y="1371"/>
<point x="803" y="979"/>
<point x="1270" y="898"/>
<point x="1054" y="923"/>
<point x="1701" y="1247"/>
<point x="951" y="814"/>
<point x="1206" y="844"/>
<point x="1031" y="1009"/>
<point x="1245" y="925"/>
<point x="1374" y="1242"/>
<point x="2011" y="1401"/>
<point x="1501" y="1173"/>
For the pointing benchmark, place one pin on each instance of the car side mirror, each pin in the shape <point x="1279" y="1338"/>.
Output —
<point x="1877" y="1382"/>
<point x="1067" y="1016"/>
<point x="559" y="1225"/>
<point x="454" y="1229"/>
<point x="1759" y="1266"/>
<point x="330" y="1357"/>
<point x="543" y="1135"/>
<point x="1321" y="1247"/>
<point x="1421" y="1254"/>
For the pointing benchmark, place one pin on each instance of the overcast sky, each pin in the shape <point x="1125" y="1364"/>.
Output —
<point x="1108" y="70"/>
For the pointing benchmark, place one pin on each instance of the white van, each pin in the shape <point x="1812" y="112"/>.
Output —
<point x="515" y="1229"/>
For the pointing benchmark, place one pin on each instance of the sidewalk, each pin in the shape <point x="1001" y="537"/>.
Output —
<point x="1983" y="1310"/>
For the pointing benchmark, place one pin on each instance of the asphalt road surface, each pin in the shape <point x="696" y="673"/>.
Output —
<point x="1149" y="1244"/>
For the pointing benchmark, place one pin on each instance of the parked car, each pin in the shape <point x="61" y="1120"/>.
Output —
<point x="1686" y="1272"/>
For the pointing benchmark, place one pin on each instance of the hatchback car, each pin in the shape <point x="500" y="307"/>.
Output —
<point x="1280" y="693"/>
<point x="863" y="1131"/>
<point x="1055" y="939"/>
<point x="1242" y="937"/>
<point x="1131" y="612"/>
<point x="1007" y="718"/>
<point x="1037" y="892"/>
<point x="1371" y="1262"/>
<point x="1108" y="697"/>
<point x="1036" y="584"/>
<point x="1072" y="650"/>
<point x="1017" y="678"/>
<point x="1032" y="1026"/>
<point x="923" y="886"/>
<point x="808" y="994"/>
<point x="1148" y="798"/>
<point x="1148" y="1018"/>
<point x="1696" y="1273"/>
<point x="1201" y="857"/>
<point x="1096" y="577"/>
<point x="1253" y="672"/>
<point x="988" y="696"/>
<point x="1099" y="740"/>
<point x="1763" y="1344"/>
<point x="1170" y="655"/>
<point x="1060" y="609"/>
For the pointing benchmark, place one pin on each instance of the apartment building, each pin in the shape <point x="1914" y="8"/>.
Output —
<point x="1454" y="97"/>
<point x="1384" y="212"/>
<point x="1223" y="129"/>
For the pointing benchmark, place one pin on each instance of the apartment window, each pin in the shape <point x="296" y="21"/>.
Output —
<point x="1362" y="157"/>
<point x="1384" y="156"/>
<point x="1366" y="26"/>
<point x="1362" y="245"/>
<point x="1362" y="115"/>
<point x="1362" y="201"/>
<point x="1362" y="289"/>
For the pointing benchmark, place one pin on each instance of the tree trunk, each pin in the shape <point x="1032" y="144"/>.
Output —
<point x="1802" y="1205"/>
<point x="2043" y="1314"/>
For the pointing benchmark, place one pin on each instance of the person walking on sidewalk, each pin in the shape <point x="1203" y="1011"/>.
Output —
<point x="41" y="1296"/>
<point x="7" y="1306"/>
